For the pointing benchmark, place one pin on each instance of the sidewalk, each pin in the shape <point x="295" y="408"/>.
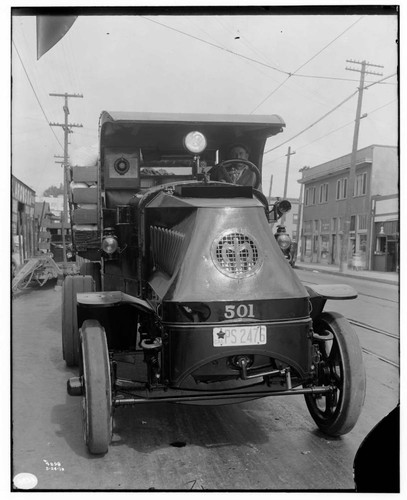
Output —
<point x="381" y="277"/>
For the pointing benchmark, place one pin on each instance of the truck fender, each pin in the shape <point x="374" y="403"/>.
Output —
<point x="319" y="294"/>
<point x="108" y="299"/>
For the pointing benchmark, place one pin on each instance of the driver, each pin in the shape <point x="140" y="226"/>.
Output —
<point x="239" y="173"/>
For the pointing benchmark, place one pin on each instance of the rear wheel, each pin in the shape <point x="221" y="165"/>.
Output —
<point x="70" y="334"/>
<point x="97" y="395"/>
<point x="92" y="269"/>
<point x="341" y="366"/>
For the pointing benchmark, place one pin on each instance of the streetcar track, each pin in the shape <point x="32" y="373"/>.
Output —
<point x="372" y="328"/>
<point x="381" y="298"/>
<point x="381" y="358"/>
<point x="381" y="332"/>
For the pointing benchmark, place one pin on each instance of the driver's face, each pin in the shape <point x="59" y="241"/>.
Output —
<point x="239" y="153"/>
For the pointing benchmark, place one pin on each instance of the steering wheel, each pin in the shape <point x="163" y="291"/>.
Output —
<point x="223" y="170"/>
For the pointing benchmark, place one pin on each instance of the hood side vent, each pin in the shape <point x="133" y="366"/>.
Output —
<point x="166" y="247"/>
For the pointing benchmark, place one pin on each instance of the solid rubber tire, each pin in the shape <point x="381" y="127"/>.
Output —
<point x="92" y="269"/>
<point x="70" y="333"/>
<point x="96" y="399"/>
<point x="353" y="387"/>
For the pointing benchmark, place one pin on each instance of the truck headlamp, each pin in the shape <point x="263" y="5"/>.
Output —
<point x="195" y="142"/>
<point x="109" y="244"/>
<point x="284" y="241"/>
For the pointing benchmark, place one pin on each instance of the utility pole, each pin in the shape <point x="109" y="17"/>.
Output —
<point x="289" y="153"/>
<point x="352" y="171"/>
<point x="299" y="220"/>
<point x="271" y="185"/>
<point x="62" y="216"/>
<point x="67" y="130"/>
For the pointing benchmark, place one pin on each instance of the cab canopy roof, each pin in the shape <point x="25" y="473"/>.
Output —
<point x="166" y="131"/>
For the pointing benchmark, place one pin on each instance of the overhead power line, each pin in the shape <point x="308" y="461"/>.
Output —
<point x="304" y="64"/>
<point x="216" y="46"/>
<point x="329" y="112"/>
<point x="321" y="77"/>
<point x="380" y="81"/>
<point x="36" y="96"/>
<point x="345" y="125"/>
<point x="328" y="44"/>
<point x="332" y="131"/>
<point x="255" y="61"/>
<point x="314" y="123"/>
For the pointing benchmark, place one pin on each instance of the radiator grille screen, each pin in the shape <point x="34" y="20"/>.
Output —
<point x="236" y="255"/>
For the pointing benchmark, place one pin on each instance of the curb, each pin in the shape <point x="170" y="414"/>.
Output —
<point x="348" y="275"/>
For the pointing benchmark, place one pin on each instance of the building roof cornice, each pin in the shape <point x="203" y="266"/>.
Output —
<point x="341" y="164"/>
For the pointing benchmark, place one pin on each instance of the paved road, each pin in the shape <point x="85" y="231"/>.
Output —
<point x="268" y="444"/>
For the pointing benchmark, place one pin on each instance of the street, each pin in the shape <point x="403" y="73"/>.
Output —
<point x="267" y="444"/>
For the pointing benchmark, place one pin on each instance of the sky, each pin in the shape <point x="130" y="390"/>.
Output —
<point x="290" y="65"/>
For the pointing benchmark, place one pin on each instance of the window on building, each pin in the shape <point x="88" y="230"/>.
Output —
<point x="295" y="218"/>
<point x="308" y="226"/>
<point x="360" y="184"/>
<point x="362" y="222"/>
<point x="334" y="224"/>
<point x="316" y="226"/>
<point x="323" y="193"/>
<point x="341" y="188"/>
<point x="294" y="235"/>
<point x="310" y="196"/>
<point x="352" y="222"/>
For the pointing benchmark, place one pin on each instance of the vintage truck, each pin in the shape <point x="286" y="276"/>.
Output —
<point x="184" y="294"/>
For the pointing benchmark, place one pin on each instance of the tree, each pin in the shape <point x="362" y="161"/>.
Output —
<point x="54" y="191"/>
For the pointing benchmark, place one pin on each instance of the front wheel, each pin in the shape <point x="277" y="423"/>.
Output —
<point x="96" y="383"/>
<point x="341" y="366"/>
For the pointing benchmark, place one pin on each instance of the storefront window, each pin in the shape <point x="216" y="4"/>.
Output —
<point x="362" y="242"/>
<point x="381" y="244"/>
<point x="324" y="247"/>
<point x="308" y="246"/>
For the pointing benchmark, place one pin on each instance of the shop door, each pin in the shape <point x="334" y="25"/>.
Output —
<point x="391" y="256"/>
<point x="333" y="252"/>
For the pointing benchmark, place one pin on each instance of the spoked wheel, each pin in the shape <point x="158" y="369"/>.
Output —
<point x="97" y="394"/>
<point x="70" y="333"/>
<point x="341" y="367"/>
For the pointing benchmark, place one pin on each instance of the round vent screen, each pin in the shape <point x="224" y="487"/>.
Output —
<point x="236" y="254"/>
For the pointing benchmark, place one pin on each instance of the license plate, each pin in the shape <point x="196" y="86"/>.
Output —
<point x="239" y="335"/>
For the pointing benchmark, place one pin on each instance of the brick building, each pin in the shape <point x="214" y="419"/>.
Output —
<point x="374" y="240"/>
